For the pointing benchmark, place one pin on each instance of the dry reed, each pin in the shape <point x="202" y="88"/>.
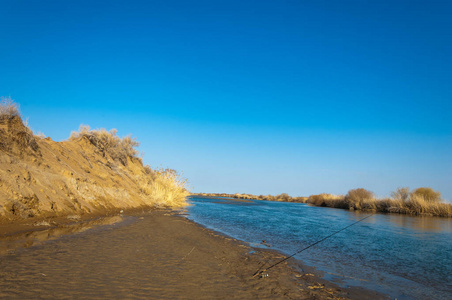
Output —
<point x="402" y="202"/>
<point x="164" y="187"/>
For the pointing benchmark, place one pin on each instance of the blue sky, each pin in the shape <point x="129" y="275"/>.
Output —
<point x="260" y="97"/>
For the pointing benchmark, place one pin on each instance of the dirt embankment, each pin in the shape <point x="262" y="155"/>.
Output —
<point x="40" y="178"/>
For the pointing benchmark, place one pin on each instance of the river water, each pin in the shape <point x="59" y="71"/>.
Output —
<point x="402" y="256"/>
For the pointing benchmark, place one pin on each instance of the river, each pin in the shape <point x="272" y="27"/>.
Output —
<point x="402" y="256"/>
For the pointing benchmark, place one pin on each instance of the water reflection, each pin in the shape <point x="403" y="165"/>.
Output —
<point x="421" y="223"/>
<point x="32" y="238"/>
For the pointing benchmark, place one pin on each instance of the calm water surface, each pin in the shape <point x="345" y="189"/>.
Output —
<point x="402" y="256"/>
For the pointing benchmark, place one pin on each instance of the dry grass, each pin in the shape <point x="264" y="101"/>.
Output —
<point x="403" y="202"/>
<point x="108" y="142"/>
<point x="40" y="135"/>
<point x="8" y="108"/>
<point x="327" y="200"/>
<point x="428" y="194"/>
<point x="418" y="205"/>
<point x="164" y="187"/>
<point x="284" y="197"/>
<point x="15" y="135"/>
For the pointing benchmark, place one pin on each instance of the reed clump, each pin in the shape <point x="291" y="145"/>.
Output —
<point x="164" y="187"/>
<point x="421" y="201"/>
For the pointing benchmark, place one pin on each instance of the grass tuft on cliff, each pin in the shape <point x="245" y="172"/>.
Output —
<point x="8" y="108"/>
<point x="108" y="142"/>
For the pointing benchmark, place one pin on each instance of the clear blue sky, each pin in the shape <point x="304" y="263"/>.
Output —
<point x="258" y="97"/>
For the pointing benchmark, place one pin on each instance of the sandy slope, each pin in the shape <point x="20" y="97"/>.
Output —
<point x="41" y="178"/>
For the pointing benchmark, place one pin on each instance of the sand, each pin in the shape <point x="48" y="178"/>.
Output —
<point x="41" y="178"/>
<point x="152" y="255"/>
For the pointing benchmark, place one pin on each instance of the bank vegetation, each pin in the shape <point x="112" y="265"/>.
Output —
<point x="421" y="202"/>
<point x="284" y="197"/>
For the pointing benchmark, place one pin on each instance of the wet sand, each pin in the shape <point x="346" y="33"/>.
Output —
<point x="155" y="255"/>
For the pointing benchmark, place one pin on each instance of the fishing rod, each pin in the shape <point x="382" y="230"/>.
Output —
<point x="258" y="272"/>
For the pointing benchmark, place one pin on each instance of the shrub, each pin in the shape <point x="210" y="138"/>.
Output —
<point x="108" y="142"/>
<point x="283" y="197"/>
<point x="15" y="135"/>
<point x="8" y="108"/>
<point x="401" y="194"/>
<point x="428" y="194"/>
<point x="299" y="199"/>
<point x="357" y="195"/>
<point x="422" y="201"/>
<point x="270" y="197"/>
<point x="360" y="199"/>
<point x="328" y="200"/>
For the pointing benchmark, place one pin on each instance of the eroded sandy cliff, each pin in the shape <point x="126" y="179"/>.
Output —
<point x="43" y="178"/>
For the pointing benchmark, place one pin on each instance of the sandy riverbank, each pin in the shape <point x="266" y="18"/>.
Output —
<point x="155" y="255"/>
<point x="93" y="172"/>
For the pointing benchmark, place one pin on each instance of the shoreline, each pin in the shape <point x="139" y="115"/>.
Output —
<point x="416" y="207"/>
<point x="220" y="264"/>
<point x="307" y="276"/>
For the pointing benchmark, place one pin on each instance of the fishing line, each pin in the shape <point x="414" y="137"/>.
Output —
<point x="306" y="248"/>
